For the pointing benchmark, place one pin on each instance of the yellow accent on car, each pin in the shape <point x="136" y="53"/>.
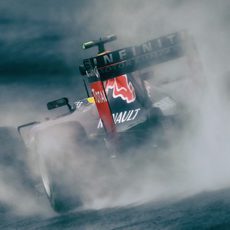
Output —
<point x="91" y="100"/>
<point x="84" y="45"/>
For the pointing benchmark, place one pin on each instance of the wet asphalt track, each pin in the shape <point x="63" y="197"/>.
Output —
<point x="209" y="210"/>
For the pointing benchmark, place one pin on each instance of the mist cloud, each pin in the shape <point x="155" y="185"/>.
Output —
<point x="199" y="159"/>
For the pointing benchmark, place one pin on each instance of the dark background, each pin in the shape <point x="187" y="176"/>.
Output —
<point x="40" y="43"/>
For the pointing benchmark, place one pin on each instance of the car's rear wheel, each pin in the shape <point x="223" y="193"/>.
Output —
<point x="59" y="149"/>
<point x="59" y="196"/>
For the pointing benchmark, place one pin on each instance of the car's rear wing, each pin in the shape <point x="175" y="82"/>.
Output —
<point x="152" y="52"/>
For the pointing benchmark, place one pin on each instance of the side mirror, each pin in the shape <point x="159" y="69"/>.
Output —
<point x="59" y="103"/>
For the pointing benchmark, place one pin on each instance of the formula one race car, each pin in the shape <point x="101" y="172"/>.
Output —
<point x="125" y="106"/>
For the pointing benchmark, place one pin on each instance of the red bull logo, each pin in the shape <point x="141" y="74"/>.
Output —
<point x="121" y="88"/>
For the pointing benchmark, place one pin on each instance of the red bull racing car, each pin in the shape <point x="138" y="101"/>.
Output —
<point x="124" y="107"/>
